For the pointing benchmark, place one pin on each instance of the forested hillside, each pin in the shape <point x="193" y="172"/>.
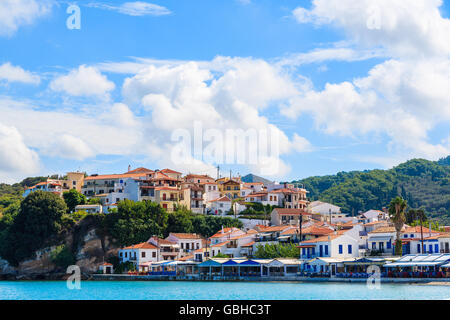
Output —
<point x="424" y="184"/>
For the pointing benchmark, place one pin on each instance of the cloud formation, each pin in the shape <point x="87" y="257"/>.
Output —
<point x="10" y="73"/>
<point x="137" y="8"/>
<point x="16" y="158"/>
<point x="17" y="13"/>
<point x="84" y="81"/>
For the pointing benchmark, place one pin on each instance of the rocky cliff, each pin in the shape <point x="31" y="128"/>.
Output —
<point x="90" y="250"/>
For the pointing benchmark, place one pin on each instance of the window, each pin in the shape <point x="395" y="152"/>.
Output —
<point x="143" y="254"/>
<point x="436" y="248"/>
<point x="154" y="254"/>
<point x="326" y="249"/>
<point x="418" y="248"/>
<point x="340" y="249"/>
<point x="374" y="245"/>
<point x="389" y="244"/>
<point x="431" y="248"/>
<point x="405" y="236"/>
<point x="126" y="254"/>
<point x="182" y="245"/>
<point x="350" y="249"/>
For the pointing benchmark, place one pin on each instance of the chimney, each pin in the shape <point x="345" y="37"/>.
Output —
<point x="429" y="225"/>
<point x="129" y="168"/>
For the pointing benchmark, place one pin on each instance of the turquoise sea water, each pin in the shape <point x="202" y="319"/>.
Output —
<point x="171" y="290"/>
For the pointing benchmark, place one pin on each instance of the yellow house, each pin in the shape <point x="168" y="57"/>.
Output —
<point x="171" y="198"/>
<point x="230" y="188"/>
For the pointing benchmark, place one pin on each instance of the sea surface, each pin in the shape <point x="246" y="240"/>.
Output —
<point x="175" y="290"/>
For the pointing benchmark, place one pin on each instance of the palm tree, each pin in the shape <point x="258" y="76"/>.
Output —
<point x="397" y="209"/>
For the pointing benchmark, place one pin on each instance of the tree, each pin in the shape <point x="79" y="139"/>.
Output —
<point x="179" y="221"/>
<point x="278" y="250"/>
<point x="73" y="198"/>
<point x="136" y="222"/>
<point x="39" y="220"/>
<point x="62" y="256"/>
<point x="397" y="209"/>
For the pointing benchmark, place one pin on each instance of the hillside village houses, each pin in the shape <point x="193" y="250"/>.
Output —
<point x="328" y="239"/>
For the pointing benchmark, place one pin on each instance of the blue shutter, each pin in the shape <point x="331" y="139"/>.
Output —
<point x="349" y="249"/>
<point x="340" y="249"/>
<point x="326" y="249"/>
<point x="436" y="248"/>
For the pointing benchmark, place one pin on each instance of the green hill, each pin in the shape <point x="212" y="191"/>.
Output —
<point x="424" y="184"/>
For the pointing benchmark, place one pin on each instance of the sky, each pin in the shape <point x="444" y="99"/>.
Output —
<point x="311" y="87"/>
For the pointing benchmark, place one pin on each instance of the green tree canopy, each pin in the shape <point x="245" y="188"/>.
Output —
<point x="397" y="209"/>
<point x="135" y="222"/>
<point x="73" y="198"/>
<point x="38" y="220"/>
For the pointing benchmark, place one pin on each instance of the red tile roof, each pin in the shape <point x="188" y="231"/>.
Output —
<point x="143" y="245"/>
<point x="291" y="212"/>
<point x="170" y="171"/>
<point x="140" y="170"/>
<point x="186" y="235"/>
<point x="222" y="199"/>
<point x="115" y="176"/>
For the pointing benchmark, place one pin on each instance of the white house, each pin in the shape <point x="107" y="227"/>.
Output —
<point x="139" y="253"/>
<point x="220" y="206"/>
<point x="374" y="215"/>
<point x="168" y="250"/>
<point x="188" y="242"/>
<point x="382" y="240"/>
<point x="211" y="191"/>
<point x="323" y="208"/>
<point x="89" y="208"/>
<point x="264" y="197"/>
<point x="337" y="245"/>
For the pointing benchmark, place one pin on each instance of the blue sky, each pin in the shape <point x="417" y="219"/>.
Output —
<point x="342" y="95"/>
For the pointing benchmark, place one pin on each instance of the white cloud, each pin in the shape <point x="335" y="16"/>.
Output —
<point x="17" y="13"/>
<point x="396" y="99"/>
<point x="327" y="54"/>
<point x="67" y="146"/>
<point x="16" y="158"/>
<point x="301" y="144"/>
<point x="224" y="94"/>
<point x="404" y="97"/>
<point x="54" y="132"/>
<point x="137" y="8"/>
<point x="84" y="81"/>
<point x="11" y="73"/>
<point x="405" y="28"/>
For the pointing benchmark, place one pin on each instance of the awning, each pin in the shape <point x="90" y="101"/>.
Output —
<point x="446" y="265"/>
<point x="371" y="239"/>
<point x="284" y="237"/>
<point x="413" y="264"/>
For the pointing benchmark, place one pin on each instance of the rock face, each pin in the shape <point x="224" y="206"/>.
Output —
<point x="91" y="251"/>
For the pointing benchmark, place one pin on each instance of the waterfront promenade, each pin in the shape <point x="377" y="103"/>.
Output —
<point x="126" y="277"/>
